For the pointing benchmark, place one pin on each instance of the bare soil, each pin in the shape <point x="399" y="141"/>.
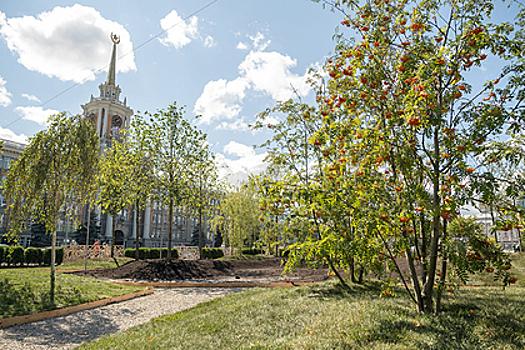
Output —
<point x="160" y="270"/>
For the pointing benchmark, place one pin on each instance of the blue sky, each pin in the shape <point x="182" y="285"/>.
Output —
<point x="229" y="62"/>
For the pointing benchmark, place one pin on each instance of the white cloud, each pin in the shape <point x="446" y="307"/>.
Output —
<point x="210" y="42"/>
<point x="35" y="114"/>
<point x="220" y="99"/>
<point x="70" y="43"/>
<point x="237" y="125"/>
<point x="270" y="72"/>
<point x="31" y="97"/>
<point x="179" y="32"/>
<point x="5" y="100"/>
<point x="259" y="42"/>
<point x="238" y="170"/>
<point x="8" y="134"/>
<point x="242" y="46"/>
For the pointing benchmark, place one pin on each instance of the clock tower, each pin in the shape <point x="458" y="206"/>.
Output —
<point x="107" y="111"/>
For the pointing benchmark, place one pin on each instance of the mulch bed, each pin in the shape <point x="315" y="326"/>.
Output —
<point x="195" y="270"/>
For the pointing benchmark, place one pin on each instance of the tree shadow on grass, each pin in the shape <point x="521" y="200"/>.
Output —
<point x="21" y="299"/>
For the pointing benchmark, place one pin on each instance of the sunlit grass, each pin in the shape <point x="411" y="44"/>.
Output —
<point x="26" y="290"/>
<point x="326" y="317"/>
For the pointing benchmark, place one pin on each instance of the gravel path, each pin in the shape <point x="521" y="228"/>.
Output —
<point x="66" y="332"/>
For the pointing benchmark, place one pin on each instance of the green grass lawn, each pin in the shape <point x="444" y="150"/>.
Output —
<point x="95" y="263"/>
<point x="326" y="317"/>
<point x="26" y="290"/>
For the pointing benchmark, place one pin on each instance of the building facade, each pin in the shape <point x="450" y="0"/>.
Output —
<point x="111" y="115"/>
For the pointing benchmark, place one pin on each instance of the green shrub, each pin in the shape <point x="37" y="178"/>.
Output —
<point x="154" y="253"/>
<point x="2" y="254"/>
<point x="251" y="251"/>
<point x="59" y="256"/>
<point x="143" y="253"/>
<point x="164" y="253"/>
<point x="15" y="255"/>
<point x="33" y="255"/>
<point x="129" y="253"/>
<point x="212" y="253"/>
<point x="174" y="253"/>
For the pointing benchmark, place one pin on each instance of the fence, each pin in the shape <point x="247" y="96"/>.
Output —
<point x="188" y="252"/>
<point x="76" y="252"/>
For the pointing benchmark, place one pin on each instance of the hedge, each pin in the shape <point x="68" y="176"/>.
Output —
<point x="15" y="255"/>
<point x="151" y="253"/>
<point x="59" y="256"/>
<point x="212" y="253"/>
<point x="251" y="251"/>
<point x="34" y="256"/>
<point x="2" y="254"/>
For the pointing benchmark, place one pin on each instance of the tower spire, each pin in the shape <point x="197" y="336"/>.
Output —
<point x="111" y="72"/>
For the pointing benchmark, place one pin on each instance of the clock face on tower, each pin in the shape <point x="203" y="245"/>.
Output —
<point x="117" y="121"/>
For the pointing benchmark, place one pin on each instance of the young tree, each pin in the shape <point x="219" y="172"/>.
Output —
<point x="49" y="168"/>
<point x="113" y="182"/>
<point x="173" y="144"/>
<point x="403" y="140"/>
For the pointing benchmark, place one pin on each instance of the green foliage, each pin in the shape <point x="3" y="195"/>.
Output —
<point x="238" y="219"/>
<point x="154" y="253"/>
<point x="40" y="237"/>
<point x="384" y="160"/>
<point x="174" y="253"/>
<point x="143" y="253"/>
<point x="59" y="256"/>
<point x="34" y="256"/>
<point x="250" y="251"/>
<point x="212" y="253"/>
<point x="129" y="253"/>
<point x="15" y="255"/>
<point x="94" y="231"/>
<point x="2" y="254"/>
<point x="25" y="291"/>
<point x="58" y="161"/>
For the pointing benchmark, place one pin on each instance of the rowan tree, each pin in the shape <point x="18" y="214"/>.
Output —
<point x="404" y="140"/>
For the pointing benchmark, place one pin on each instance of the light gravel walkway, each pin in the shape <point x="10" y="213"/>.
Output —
<point x="66" y="332"/>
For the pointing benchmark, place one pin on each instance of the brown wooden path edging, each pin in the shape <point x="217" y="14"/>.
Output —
<point x="214" y="284"/>
<point x="18" y="320"/>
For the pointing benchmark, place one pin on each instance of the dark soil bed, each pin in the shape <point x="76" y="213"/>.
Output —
<point x="195" y="270"/>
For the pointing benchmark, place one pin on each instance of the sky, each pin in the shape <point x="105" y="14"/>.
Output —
<point x="228" y="62"/>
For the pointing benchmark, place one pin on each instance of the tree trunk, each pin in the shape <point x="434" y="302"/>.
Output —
<point x="443" y="277"/>
<point x="137" y="231"/>
<point x="113" y="236"/>
<point x="428" y="291"/>
<point x="170" y="228"/>
<point x="52" y="268"/>
<point x="87" y="240"/>
<point x="200" y="232"/>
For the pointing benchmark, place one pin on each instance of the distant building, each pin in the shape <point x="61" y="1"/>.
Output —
<point x="111" y="116"/>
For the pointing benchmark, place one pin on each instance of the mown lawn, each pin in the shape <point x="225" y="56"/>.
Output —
<point x="94" y="264"/>
<point x="26" y="290"/>
<point x="326" y="317"/>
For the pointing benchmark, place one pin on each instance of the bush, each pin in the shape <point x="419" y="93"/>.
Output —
<point x="174" y="253"/>
<point x="129" y="253"/>
<point x="164" y="253"/>
<point x="143" y="253"/>
<point x="212" y="253"/>
<point x="2" y="255"/>
<point x="33" y="255"/>
<point x="154" y="253"/>
<point x="59" y="256"/>
<point x="251" y="251"/>
<point x="15" y="255"/>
